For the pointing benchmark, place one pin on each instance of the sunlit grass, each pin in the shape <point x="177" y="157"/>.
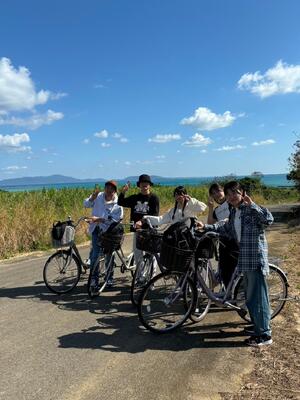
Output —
<point x="26" y="217"/>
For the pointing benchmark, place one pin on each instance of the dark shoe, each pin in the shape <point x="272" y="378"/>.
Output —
<point x="258" y="341"/>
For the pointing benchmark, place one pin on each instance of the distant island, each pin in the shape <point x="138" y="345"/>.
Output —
<point x="60" y="179"/>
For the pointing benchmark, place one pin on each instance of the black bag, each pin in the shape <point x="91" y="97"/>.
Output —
<point x="177" y="247"/>
<point x="179" y="235"/>
<point x="58" y="230"/>
<point x="111" y="239"/>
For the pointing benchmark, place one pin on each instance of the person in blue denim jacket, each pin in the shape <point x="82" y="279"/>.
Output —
<point x="246" y="225"/>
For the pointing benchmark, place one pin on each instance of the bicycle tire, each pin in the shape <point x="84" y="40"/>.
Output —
<point x="162" y="304"/>
<point x="104" y="274"/>
<point x="142" y="275"/>
<point x="203" y="303"/>
<point x="61" y="274"/>
<point x="278" y="291"/>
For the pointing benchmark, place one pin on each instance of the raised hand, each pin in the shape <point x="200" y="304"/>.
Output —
<point x="125" y="188"/>
<point x="247" y="199"/>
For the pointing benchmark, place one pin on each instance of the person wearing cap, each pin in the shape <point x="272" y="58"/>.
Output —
<point x="185" y="207"/>
<point x="105" y="211"/>
<point x="143" y="203"/>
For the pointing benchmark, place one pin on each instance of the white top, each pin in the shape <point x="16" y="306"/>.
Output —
<point x="237" y="224"/>
<point x="222" y="212"/>
<point x="192" y="208"/>
<point x="109" y="210"/>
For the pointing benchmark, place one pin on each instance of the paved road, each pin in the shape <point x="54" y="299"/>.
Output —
<point x="72" y="348"/>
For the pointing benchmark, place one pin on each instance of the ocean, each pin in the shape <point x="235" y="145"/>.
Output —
<point x="274" y="180"/>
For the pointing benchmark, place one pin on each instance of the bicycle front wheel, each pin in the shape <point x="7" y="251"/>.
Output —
<point x="105" y="273"/>
<point x="162" y="305"/>
<point x="203" y="303"/>
<point x="61" y="272"/>
<point x="277" y="287"/>
<point x="142" y="275"/>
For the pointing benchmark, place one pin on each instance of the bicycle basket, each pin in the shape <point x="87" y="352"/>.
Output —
<point x="174" y="258"/>
<point x="148" y="240"/>
<point x="63" y="234"/>
<point x="206" y="249"/>
<point x="110" y="242"/>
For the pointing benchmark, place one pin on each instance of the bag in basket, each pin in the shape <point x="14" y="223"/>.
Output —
<point x="62" y="234"/>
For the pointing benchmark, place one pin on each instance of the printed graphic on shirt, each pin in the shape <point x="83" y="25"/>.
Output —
<point x="142" y="208"/>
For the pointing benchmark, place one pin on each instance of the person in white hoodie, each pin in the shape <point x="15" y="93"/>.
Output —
<point x="185" y="207"/>
<point x="105" y="211"/>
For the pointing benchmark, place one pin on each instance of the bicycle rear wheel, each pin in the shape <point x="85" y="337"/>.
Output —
<point x="142" y="275"/>
<point x="61" y="272"/>
<point x="162" y="305"/>
<point x="277" y="287"/>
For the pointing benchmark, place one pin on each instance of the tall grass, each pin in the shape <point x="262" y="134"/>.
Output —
<point x="27" y="217"/>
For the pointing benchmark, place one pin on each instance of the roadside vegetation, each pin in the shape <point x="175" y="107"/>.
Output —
<point x="27" y="217"/>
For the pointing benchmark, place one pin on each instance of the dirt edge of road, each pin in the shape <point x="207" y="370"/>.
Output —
<point x="276" y="370"/>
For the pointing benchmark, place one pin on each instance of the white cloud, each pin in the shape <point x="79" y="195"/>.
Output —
<point x="263" y="142"/>
<point x="160" y="157"/>
<point x="233" y="139"/>
<point x="17" y="89"/>
<point x="197" y="140"/>
<point x="86" y="141"/>
<point x="13" y="143"/>
<point x="120" y="137"/>
<point x="128" y="163"/>
<point x="230" y="148"/>
<point x="102" y="134"/>
<point x="164" y="138"/>
<point x="13" y="168"/>
<point x="207" y="120"/>
<point x="103" y="144"/>
<point x="281" y="79"/>
<point x="35" y="121"/>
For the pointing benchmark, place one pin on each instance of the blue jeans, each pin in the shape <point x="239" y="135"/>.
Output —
<point x="257" y="301"/>
<point x="96" y="252"/>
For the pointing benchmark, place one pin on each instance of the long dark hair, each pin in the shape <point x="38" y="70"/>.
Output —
<point x="179" y="190"/>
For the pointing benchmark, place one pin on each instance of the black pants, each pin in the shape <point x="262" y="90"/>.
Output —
<point x="228" y="257"/>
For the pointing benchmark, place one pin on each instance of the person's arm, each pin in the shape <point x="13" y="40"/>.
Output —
<point x="196" y="205"/>
<point x="262" y="214"/>
<point x="211" y="214"/>
<point x="125" y="201"/>
<point x="90" y="201"/>
<point x="161" y="220"/>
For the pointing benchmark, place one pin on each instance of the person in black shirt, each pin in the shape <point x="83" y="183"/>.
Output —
<point x="141" y="204"/>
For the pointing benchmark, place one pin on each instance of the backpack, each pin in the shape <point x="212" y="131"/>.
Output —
<point x="179" y="235"/>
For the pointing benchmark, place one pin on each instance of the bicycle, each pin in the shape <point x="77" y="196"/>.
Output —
<point x="171" y="297"/>
<point x="147" y="240"/>
<point x="112" y="246"/>
<point x="62" y="270"/>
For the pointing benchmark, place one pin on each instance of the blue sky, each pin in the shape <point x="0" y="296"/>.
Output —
<point x="173" y="88"/>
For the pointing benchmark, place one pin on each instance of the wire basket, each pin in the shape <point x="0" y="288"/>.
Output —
<point x="148" y="240"/>
<point x="110" y="242"/>
<point x="174" y="258"/>
<point x="63" y="238"/>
